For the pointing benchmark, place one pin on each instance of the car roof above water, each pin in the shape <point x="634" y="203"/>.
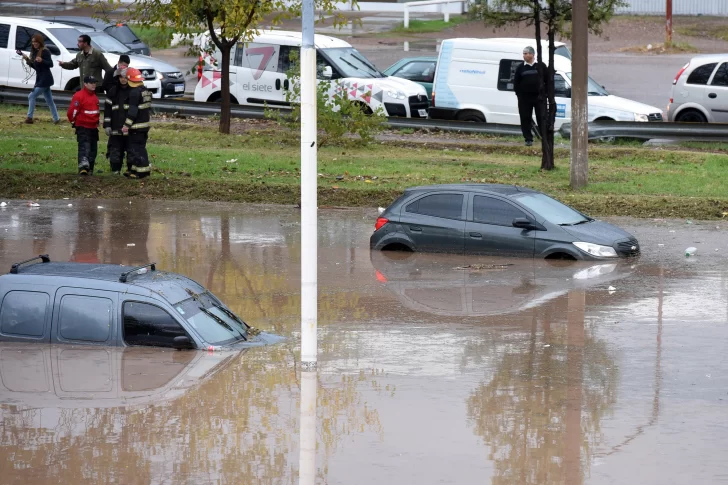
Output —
<point x="499" y="189"/>
<point x="172" y="287"/>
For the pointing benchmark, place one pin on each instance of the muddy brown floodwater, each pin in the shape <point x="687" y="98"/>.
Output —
<point x="433" y="369"/>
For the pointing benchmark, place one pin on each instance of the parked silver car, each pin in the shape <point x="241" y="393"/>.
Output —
<point x="700" y="91"/>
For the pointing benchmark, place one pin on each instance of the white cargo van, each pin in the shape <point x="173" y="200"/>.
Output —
<point x="474" y="82"/>
<point x="258" y="75"/>
<point x="62" y="42"/>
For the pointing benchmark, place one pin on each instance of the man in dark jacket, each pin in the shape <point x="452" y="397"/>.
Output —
<point x="83" y="113"/>
<point x="40" y="60"/>
<point x="527" y="85"/>
<point x="136" y="126"/>
<point x="89" y="61"/>
<point x="117" y="102"/>
<point x="110" y="80"/>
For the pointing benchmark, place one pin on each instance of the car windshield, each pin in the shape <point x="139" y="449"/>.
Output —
<point x="105" y="43"/>
<point x="122" y="33"/>
<point x="215" y="323"/>
<point x="552" y="210"/>
<point x="351" y="63"/>
<point x="563" y="51"/>
<point x="67" y="37"/>
<point x="594" y="88"/>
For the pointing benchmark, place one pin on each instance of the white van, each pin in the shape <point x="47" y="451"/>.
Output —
<point x="474" y="82"/>
<point x="62" y="42"/>
<point x="258" y="75"/>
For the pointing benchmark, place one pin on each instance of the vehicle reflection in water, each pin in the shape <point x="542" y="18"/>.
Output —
<point x="453" y="287"/>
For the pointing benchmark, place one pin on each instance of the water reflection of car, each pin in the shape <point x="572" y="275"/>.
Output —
<point x="503" y="220"/>
<point x="106" y="304"/>
<point x="424" y="282"/>
<point x="43" y="376"/>
<point x="417" y="69"/>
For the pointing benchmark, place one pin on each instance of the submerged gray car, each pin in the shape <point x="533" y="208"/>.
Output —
<point x="501" y="220"/>
<point x="107" y="304"/>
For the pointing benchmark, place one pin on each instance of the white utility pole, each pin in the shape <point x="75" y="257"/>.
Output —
<point x="309" y="182"/>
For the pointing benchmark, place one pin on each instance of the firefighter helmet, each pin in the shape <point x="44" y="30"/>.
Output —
<point x="133" y="75"/>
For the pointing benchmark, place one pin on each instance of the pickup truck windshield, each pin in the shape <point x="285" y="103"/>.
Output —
<point x="105" y="43"/>
<point x="68" y="38"/>
<point x="215" y="323"/>
<point x="351" y="63"/>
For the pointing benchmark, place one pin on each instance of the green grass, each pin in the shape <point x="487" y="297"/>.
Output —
<point x="154" y="37"/>
<point x="193" y="161"/>
<point x="718" y="32"/>
<point x="430" y="26"/>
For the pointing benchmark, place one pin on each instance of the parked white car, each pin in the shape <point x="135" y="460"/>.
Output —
<point x="258" y="75"/>
<point x="61" y="40"/>
<point x="474" y="82"/>
<point x="700" y="91"/>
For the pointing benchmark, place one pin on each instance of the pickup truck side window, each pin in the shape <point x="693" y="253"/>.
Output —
<point x="24" y="313"/>
<point x="4" y="35"/>
<point x="85" y="318"/>
<point x="146" y="324"/>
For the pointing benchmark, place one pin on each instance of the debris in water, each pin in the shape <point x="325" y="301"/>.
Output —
<point x="485" y="266"/>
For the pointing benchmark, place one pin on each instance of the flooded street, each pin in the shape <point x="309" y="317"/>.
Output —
<point x="433" y="369"/>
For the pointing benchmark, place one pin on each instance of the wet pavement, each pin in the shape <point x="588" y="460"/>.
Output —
<point x="432" y="368"/>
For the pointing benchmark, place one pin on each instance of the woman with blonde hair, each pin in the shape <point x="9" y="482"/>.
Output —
<point x="40" y="60"/>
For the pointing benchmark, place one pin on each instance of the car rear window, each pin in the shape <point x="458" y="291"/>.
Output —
<point x="448" y="206"/>
<point x="122" y="33"/>
<point x="24" y="313"/>
<point x="701" y="74"/>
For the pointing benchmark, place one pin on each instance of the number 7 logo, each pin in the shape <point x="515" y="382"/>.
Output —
<point x="266" y="52"/>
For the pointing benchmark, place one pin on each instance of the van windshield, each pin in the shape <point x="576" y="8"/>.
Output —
<point x="68" y="38"/>
<point x="351" y="63"/>
<point x="563" y="51"/>
<point x="593" y="87"/>
<point x="212" y="320"/>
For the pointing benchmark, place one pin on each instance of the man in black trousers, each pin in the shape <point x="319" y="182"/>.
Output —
<point x="526" y="84"/>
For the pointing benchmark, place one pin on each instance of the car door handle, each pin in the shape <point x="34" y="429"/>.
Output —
<point x="476" y="234"/>
<point x="278" y="84"/>
<point x="712" y="95"/>
<point x="415" y="229"/>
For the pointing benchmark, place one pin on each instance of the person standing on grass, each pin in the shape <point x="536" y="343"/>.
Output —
<point x="88" y="61"/>
<point x="40" y="60"/>
<point x="115" y="108"/>
<point x="136" y="126"/>
<point x="83" y="113"/>
<point x="527" y="86"/>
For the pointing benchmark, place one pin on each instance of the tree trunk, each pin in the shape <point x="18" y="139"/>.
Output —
<point x="225" y="49"/>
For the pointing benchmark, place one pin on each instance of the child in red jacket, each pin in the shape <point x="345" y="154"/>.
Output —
<point x="83" y="113"/>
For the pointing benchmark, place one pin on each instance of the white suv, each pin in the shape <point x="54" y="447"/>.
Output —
<point x="61" y="41"/>
<point x="700" y="91"/>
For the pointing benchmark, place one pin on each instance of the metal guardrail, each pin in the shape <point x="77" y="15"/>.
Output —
<point x="597" y="129"/>
<point x="654" y="130"/>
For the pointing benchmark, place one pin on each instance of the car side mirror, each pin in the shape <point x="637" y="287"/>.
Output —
<point x="523" y="223"/>
<point x="183" y="342"/>
<point x="54" y="50"/>
<point x="327" y="72"/>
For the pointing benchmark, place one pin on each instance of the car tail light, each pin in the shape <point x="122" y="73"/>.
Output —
<point x="679" y="73"/>
<point x="432" y="102"/>
<point x="381" y="278"/>
<point x="380" y="222"/>
<point x="671" y="101"/>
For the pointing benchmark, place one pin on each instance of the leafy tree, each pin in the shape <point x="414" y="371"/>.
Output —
<point x="337" y="114"/>
<point x="228" y="22"/>
<point x="555" y="16"/>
